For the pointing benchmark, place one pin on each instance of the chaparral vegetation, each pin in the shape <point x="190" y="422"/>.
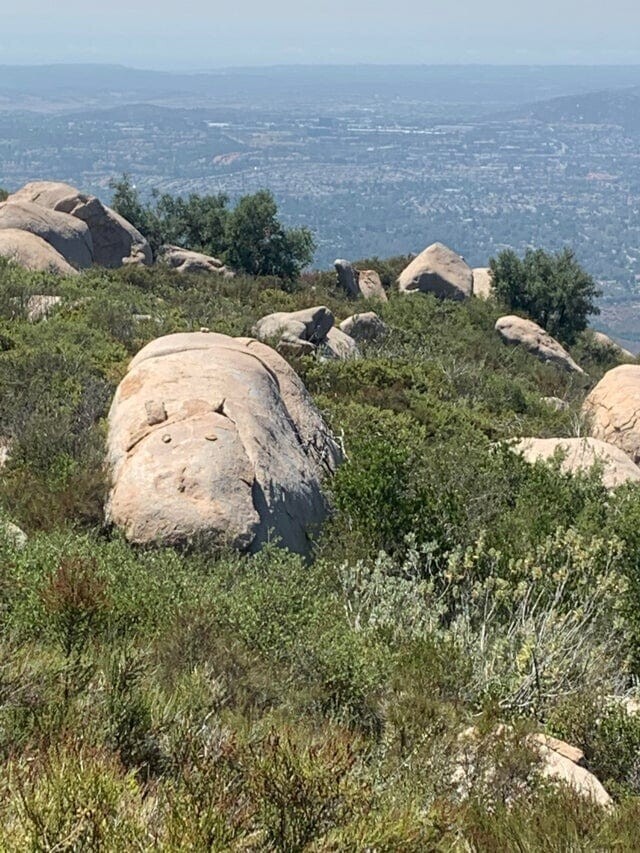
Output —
<point x="202" y="699"/>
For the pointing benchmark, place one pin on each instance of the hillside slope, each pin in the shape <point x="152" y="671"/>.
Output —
<point x="200" y="699"/>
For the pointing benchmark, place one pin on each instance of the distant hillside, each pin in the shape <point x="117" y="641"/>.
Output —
<point x="55" y="87"/>
<point x="620" y="108"/>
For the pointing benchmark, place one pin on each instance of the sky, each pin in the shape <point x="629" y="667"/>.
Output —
<point x="203" y="34"/>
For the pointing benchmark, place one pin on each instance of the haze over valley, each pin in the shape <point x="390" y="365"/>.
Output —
<point x="377" y="161"/>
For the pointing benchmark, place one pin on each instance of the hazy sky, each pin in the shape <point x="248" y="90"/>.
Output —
<point x="202" y="34"/>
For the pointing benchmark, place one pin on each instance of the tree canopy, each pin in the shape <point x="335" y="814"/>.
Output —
<point x="249" y="238"/>
<point x="552" y="289"/>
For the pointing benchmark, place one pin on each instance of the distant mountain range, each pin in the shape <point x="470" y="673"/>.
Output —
<point x="620" y="108"/>
<point x="484" y="88"/>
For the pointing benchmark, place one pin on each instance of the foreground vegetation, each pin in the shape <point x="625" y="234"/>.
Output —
<point x="210" y="701"/>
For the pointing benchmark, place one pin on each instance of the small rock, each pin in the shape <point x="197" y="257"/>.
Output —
<point x="364" y="327"/>
<point x="156" y="412"/>
<point x="556" y="403"/>
<point x="39" y="307"/>
<point x="13" y="534"/>
<point x="294" y="347"/>
<point x="359" y="283"/>
<point x="338" y="346"/>
<point x="187" y="261"/>
<point x="310" y="324"/>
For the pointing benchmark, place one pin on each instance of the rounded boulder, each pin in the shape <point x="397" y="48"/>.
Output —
<point x="215" y="439"/>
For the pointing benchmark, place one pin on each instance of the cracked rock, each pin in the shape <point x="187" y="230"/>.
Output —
<point x="248" y="449"/>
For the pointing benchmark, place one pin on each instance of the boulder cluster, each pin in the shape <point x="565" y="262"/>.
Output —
<point x="356" y="283"/>
<point x="313" y="330"/>
<point x="215" y="438"/>
<point x="611" y="413"/>
<point x="53" y="226"/>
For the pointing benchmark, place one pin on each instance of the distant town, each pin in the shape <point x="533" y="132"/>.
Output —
<point x="372" y="170"/>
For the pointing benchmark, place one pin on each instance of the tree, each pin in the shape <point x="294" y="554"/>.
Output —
<point x="259" y="245"/>
<point x="249" y="238"/>
<point x="552" y="289"/>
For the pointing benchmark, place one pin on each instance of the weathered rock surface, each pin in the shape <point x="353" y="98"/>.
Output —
<point x="338" y="345"/>
<point x="310" y="324"/>
<point x="347" y="277"/>
<point x="438" y="270"/>
<point x="32" y="252"/>
<point x="359" y="283"/>
<point x="482" y="282"/>
<point x="115" y="241"/>
<point x="562" y="762"/>
<point x="40" y="306"/>
<point x="579" y="455"/>
<point x="558" y="762"/>
<point x="216" y="438"/>
<point x="371" y="286"/>
<point x="529" y="335"/>
<point x="305" y="332"/>
<point x="186" y="261"/>
<point x="364" y="327"/>
<point x="67" y="235"/>
<point x="613" y="409"/>
<point x="294" y="347"/>
<point x="608" y="343"/>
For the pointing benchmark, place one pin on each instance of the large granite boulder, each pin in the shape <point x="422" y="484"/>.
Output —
<point x="438" y="270"/>
<point x="364" y="327"/>
<point x="115" y="241"/>
<point x="483" y="282"/>
<point x="187" y="261"/>
<point x="531" y="337"/>
<point x="359" y="283"/>
<point x="579" y="455"/>
<point x="310" y="324"/>
<point x="613" y="409"/>
<point x="608" y="343"/>
<point x="69" y="236"/>
<point x="213" y="438"/>
<point x="32" y="252"/>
